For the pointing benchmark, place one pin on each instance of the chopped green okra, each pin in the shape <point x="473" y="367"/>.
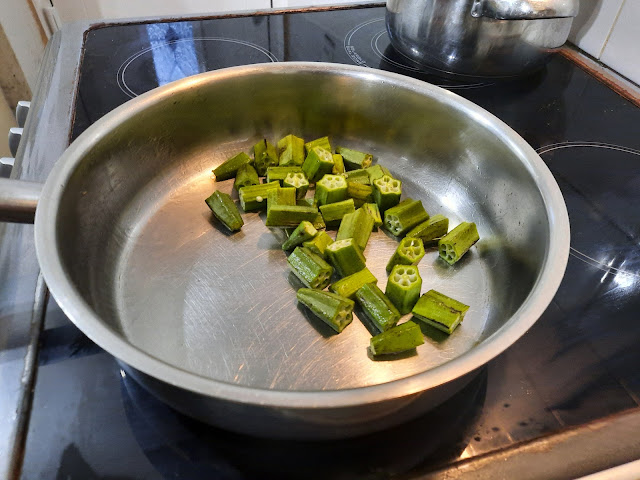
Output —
<point x="403" y="287"/>
<point x="225" y="210"/>
<point x="357" y="225"/>
<point x="307" y="202"/>
<point x="228" y="169"/>
<point x="458" y="242"/>
<point x="289" y="215"/>
<point x="332" y="309"/>
<point x="318" y="222"/>
<point x="330" y="189"/>
<point x="397" y="339"/>
<point x="404" y="216"/>
<point x="440" y="311"/>
<point x="298" y="181"/>
<point x="430" y="230"/>
<point x="353" y="159"/>
<point x="310" y="268"/>
<point x="254" y="197"/>
<point x="360" y="192"/>
<point x="386" y="192"/>
<point x="348" y="286"/>
<point x="303" y="232"/>
<point x="332" y="213"/>
<point x="318" y="163"/>
<point x="281" y="196"/>
<point x="358" y="176"/>
<point x="377" y="307"/>
<point x="318" y="142"/>
<point x="290" y="151"/>
<point x="346" y="257"/>
<point x="264" y="156"/>
<point x="246" y="176"/>
<point x="319" y="243"/>
<point x="372" y="209"/>
<point x="377" y="171"/>
<point x="338" y="164"/>
<point x="409" y="252"/>
<point x="280" y="173"/>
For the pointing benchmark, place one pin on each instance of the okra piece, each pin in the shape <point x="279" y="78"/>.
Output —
<point x="307" y="202"/>
<point x="338" y="164"/>
<point x="303" y="232"/>
<point x="409" y="252"/>
<point x="254" y="197"/>
<point x="403" y="287"/>
<point x="319" y="243"/>
<point x="332" y="213"/>
<point x="440" y="311"/>
<point x="377" y="171"/>
<point x="377" y="307"/>
<point x="458" y="242"/>
<point x="346" y="257"/>
<point x="403" y="217"/>
<point x="360" y="192"/>
<point x="289" y="215"/>
<point x="246" y="176"/>
<point x="372" y="209"/>
<point x="310" y="268"/>
<point x="229" y="168"/>
<point x="400" y="338"/>
<point x="298" y="181"/>
<point x="332" y="309"/>
<point x="357" y="225"/>
<point x="225" y="210"/>
<point x="330" y="189"/>
<point x="318" y="163"/>
<point x="280" y="196"/>
<point x="280" y="173"/>
<point x="386" y="192"/>
<point x="290" y="151"/>
<point x="348" y="286"/>
<point x="318" y="222"/>
<point x="432" y="229"/>
<point x="265" y="155"/>
<point x="358" y="176"/>
<point x="353" y="159"/>
<point x="318" y="142"/>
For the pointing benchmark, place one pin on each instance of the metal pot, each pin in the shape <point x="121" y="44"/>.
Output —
<point x="480" y="38"/>
<point x="208" y="322"/>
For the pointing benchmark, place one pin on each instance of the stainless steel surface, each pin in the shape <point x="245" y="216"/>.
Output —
<point x="15" y="134"/>
<point x="6" y="165"/>
<point x="133" y="259"/>
<point x="18" y="200"/>
<point x="22" y="110"/>
<point x="460" y="37"/>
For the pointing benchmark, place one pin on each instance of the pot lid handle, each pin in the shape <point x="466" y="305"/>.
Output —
<point x="524" y="9"/>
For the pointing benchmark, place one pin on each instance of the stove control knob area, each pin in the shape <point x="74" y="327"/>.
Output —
<point x="22" y="110"/>
<point x="6" y="164"/>
<point x="15" y="134"/>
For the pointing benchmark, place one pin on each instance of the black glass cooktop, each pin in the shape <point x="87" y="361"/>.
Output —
<point x="578" y="363"/>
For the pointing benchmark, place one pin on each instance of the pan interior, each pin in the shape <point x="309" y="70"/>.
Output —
<point x="140" y="244"/>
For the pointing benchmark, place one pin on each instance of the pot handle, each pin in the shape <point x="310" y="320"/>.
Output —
<point x="524" y="9"/>
<point x="18" y="200"/>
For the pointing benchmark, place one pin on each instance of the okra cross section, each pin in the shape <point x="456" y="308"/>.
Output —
<point x="298" y="181"/>
<point x="330" y="189"/>
<point x="386" y="192"/>
<point x="346" y="257"/>
<point x="225" y="210"/>
<point x="245" y="176"/>
<point x="334" y="310"/>
<point x="409" y="252"/>
<point x="377" y="307"/>
<point x="404" y="216"/>
<point x="357" y="225"/>
<point x="303" y="232"/>
<point x="310" y="268"/>
<point x="318" y="163"/>
<point x="348" y="286"/>
<point x="436" y="227"/>
<point x="403" y="287"/>
<point x="439" y="311"/>
<point x="397" y="339"/>
<point x="458" y="242"/>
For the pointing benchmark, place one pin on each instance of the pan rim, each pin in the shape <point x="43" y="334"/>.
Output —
<point x="81" y="314"/>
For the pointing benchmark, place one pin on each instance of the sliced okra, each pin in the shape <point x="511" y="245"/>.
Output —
<point x="430" y="230"/>
<point x="346" y="257"/>
<point x="318" y="163"/>
<point x="318" y="142"/>
<point x="372" y="210"/>
<point x="338" y="164"/>
<point x="440" y="311"/>
<point x="360" y="192"/>
<point x="348" y="286"/>
<point x="403" y="217"/>
<point x="409" y="252"/>
<point x="386" y="192"/>
<point x="290" y="151"/>
<point x="307" y="202"/>
<point x="377" y="307"/>
<point x="289" y="215"/>
<point x="225" y="210"/>
<point x="265" y="155"/>
<point x="280" y="173"/>
<point x="318" y="222"/>
<point x="332" y="213"/>
<point x="357" y="225"/>
<point x="332" y="309"/>
<point x="330" y="189"/>
<point x="303" y="232"/>
<point x="319" y="243"/>
<point x="246" y="176"/>
<point x="358" y="176"/>
<point x="280" y="196"/>
<point x="400" y="338"/>
<point x="310" y="268"/>
<point x="353" y="159"/>
<point x="458" y="242"/>
<point x="229" y="168"/>
<point x="377" y="171"/>
<point x="298" y="181"/>
<point x="403" y="287"/>
<point x="254" y="197"/>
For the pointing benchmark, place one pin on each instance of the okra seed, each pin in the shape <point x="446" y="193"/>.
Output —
<point x="259" y="198"/>
<point x="413" y="278"/>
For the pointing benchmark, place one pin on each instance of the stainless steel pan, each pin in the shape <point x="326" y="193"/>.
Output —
<point x="208" y="321"/>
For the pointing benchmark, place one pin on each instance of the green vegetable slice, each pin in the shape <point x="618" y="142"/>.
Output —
<point x="430" y="230"/>
<point x="318" y="142"/>
<point x="377" y="171"/>
<point x="225" y="210"/>
<point x="346" y="257"/>
<point x="319" y="243"/>
<point x="348" y="286"/>
<point x="440" y="311"/>
<point x="280" y="196"/>
<point x="254" y="197"/>
<point x="298" y="181"/>
<point x="404" y="216"/>
<point x="386" y="192"/>
<point x="458" y="242"/>
<point x="338" y="164"/>
<point x="330" y="189"/>
<point x="289" y="215"/>
<point x="291" y="151"/>
<point x="372" y="209"/>
<point x="318" y="163"/>
<point x="332" y="213"/>
<point x="397" y="339"/>
<point x="377" y="307"/>
<point x="357" y="225"/>
<point x="354" y="159"/>
<point x="245" y="176"/>
<point x="334" y="310"/>
<point x="280" y="173"/>
<point x="303" y="232"/>
<point x="358" y="176"/>
<point x="265" y="156"/>
<point x="360" y="192"/>
<point x="403" y="287"/>
<point x="310" y="268"/>
<point x="409" y="252"/>
<point x="229" y="168"/>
